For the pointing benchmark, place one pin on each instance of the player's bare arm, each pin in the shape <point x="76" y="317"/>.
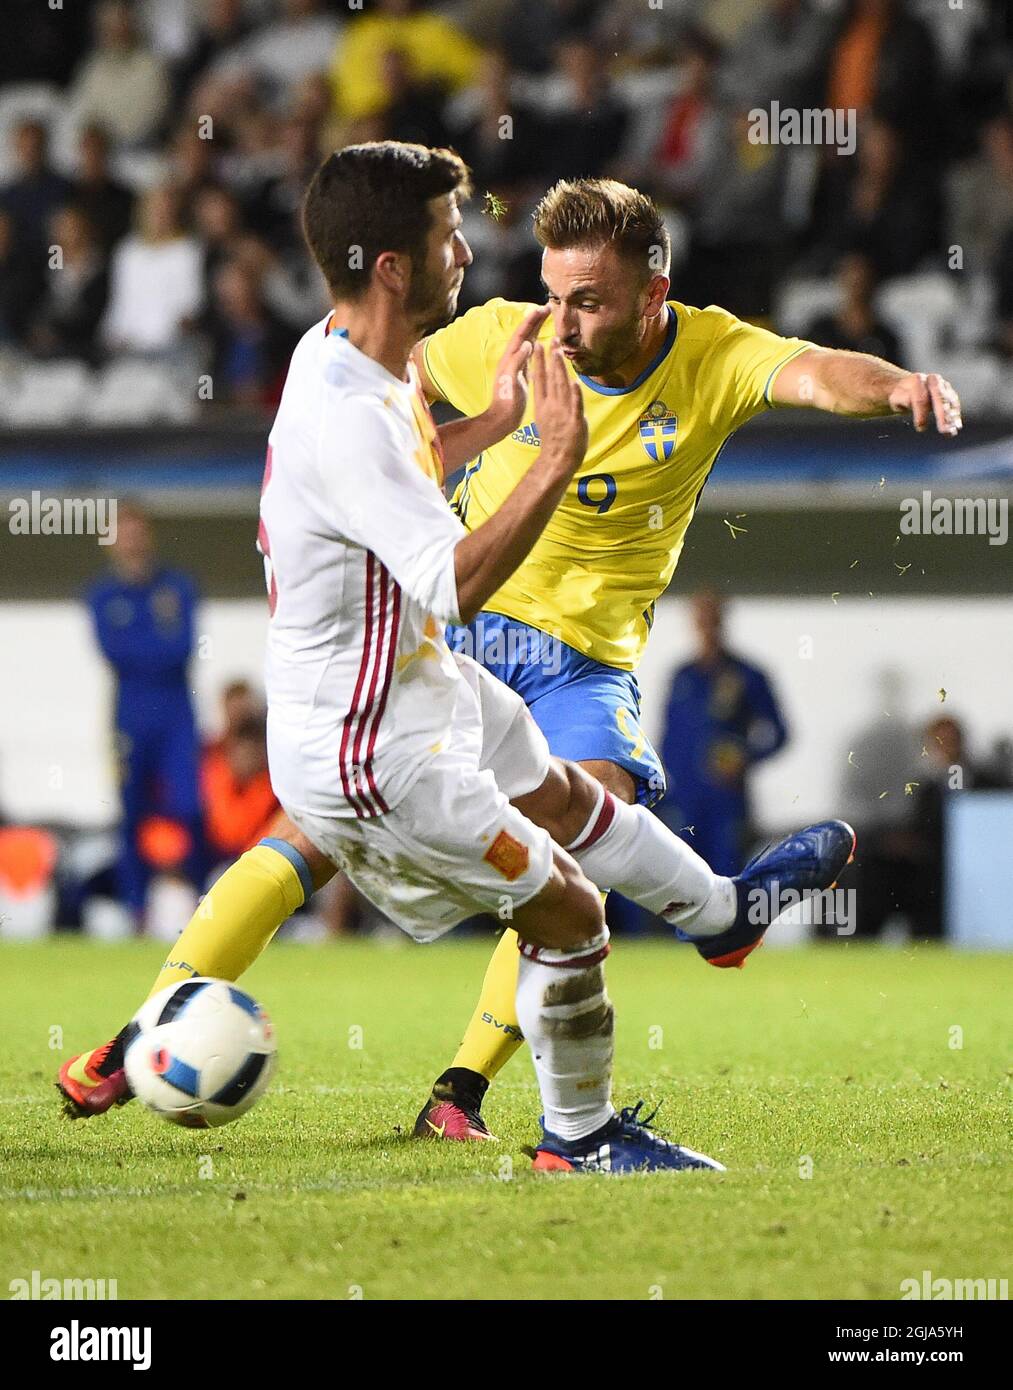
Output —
<point x="487" y="557"/>
<point x="464" y="440"/>
<point x="854" y="383"/>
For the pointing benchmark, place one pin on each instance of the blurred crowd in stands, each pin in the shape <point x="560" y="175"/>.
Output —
<point x="153" y="156"/>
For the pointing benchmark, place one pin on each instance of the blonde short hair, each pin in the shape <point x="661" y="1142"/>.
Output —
<point x="593" y="212"/>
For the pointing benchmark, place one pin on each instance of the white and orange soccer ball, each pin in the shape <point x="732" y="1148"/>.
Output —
<point x="203" y="1054"/>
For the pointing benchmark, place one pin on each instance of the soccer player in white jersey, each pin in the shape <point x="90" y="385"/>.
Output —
<point x="414" y="768"/>
<point x="406" y="765"/>
<point x="409" y="766"/>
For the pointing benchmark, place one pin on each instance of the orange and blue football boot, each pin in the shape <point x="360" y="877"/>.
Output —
<point x="93" y="1082"/>
<point x="805" y="863"/>
<point x="623" y="1144"/>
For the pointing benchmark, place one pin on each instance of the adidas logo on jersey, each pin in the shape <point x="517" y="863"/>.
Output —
<point x="528" y="435"/>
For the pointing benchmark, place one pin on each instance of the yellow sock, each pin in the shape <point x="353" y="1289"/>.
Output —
<point x="494" y="1035"/>
<point x="239" y="914"/>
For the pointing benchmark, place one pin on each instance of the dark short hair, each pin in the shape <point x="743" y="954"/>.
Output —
<point x="591" y="212"/>
<point x="373" y="197"/>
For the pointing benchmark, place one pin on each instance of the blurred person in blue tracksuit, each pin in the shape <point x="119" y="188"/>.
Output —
<point x="722" y="719"/>
<point x="143" y="615"/>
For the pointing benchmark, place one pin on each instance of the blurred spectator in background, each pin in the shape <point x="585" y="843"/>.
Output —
<point x="21" y="284"/>
<point x="979" y="68"/>
<point x="781" y="55"/>
<point x="156" y="281"/>
<point x="143" y="615"/>
<point x="673" y="142"/>
<point x="220" y="27"/>
<point x="509" y="166"/>
<point x="66" y="320"/>
<point x="31" y="198"/>
<point x="721" y="720"/>
<point x="589" y="125"/>
<point x="274" y="202"/>
<point x="728" y="18"/>
<point x="885" y="62"/>
<point x="944" y="770"/>
<point x="738" y="243"/>
<point x="413" y="109"/>
<point x="892" y="211"/>
<point x="530" y="31"/>
<point x="292" y="287"/>
<point x="878" y="764"/>
<point x="250" y="346"/>
<point x="879" y="758"/>
<point x="238" y="799"/>
<point x="437" y="50"/>
<point x="981" y="197"/>
<point x="301" y="40"/>
<point x="895" y="789"/>
<point x="640" y="35"/>
<point x="121" y="85"/>
<point x="191" y="164"/>
<point x="28" y="868"/>
<point x="109" y="205"/>
<point x="884" y="67"/>
<point x="217" y="221"/>
<point x="854" y="326"/>
<point x="36" y="51"/>
<point x="239" y="703"/>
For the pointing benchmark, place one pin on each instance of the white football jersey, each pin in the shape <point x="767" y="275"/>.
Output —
<point x="358" y="544"/>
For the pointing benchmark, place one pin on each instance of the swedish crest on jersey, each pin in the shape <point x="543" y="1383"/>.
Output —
<point x="658" y="427"/>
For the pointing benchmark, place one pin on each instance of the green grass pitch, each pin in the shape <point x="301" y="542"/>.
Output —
<point x="863" y="1144"/>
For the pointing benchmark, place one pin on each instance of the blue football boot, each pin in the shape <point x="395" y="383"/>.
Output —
<point x="623" y="1145"/>
<point x="805" y="863"/>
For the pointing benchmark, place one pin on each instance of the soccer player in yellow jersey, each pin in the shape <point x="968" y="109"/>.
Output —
<point x="664" y="385"/>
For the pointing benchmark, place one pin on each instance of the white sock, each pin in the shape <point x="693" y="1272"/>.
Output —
<point x="626" y="848"/>
<point x="566" y="1017"/>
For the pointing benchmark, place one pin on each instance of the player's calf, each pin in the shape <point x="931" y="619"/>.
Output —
<point x="562" y="1003"/>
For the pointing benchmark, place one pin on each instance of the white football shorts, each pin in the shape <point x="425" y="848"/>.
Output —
<point x="453" y="846"/>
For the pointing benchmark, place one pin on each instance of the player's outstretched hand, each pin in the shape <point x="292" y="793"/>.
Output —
<point x="927" y="397"/>
<point x="510" y="393"/>
<point x="559" y="409"/>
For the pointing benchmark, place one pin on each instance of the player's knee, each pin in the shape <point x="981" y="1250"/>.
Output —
<point x="322" y="870"/>
<point x="582" y="913"/>
<point x="575" y="794"/>
<point x="567" y="913"/>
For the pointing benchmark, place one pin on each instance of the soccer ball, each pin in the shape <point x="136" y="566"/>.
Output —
<point x="203" y="1053"/>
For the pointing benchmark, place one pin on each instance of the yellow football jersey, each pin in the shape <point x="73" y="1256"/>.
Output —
<point x="612" y="545"/>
